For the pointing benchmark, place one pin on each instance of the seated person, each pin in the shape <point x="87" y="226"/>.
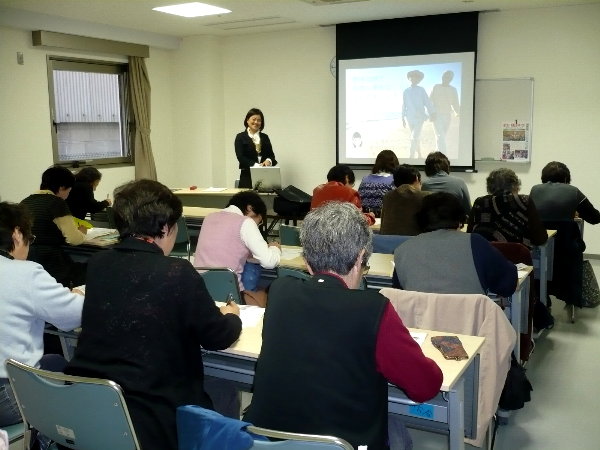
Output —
<point x="368" y="341"/>
<point x="380" y="181"/>
<point x="437" y="169"/>
<point x="444" y="260"/>
<point x="81" y="199"/>
<point x="29" y="298"/>
<point x="558" y="202"/>
<point x="556" y="199"/>
<point x="146" y="316"/>
<point x="53" y="225"/>
<point x="401" y="205"/>
<point x="505" y="216"/>
<point x="231" y="236"/>
<point x="340" y="180"/>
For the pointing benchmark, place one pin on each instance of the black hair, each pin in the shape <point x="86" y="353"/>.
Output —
<point x="436" y="162"/>
<point x="406" y="174"/>
<point x="56" y="177"/>
<point x="88" y="175"/>
<point x="339" y="172"/>
<point x="440" y="210"/>
<point x="14" y="216"/>
<point x="255" y="112"/>
<point x="386" y="161"/>
<point x="144" y="207"/>
<point x="249" y="198"/>
<point x="556" y="172"/>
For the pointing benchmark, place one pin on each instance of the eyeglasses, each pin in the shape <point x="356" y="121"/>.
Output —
<point x="32" y="239"/>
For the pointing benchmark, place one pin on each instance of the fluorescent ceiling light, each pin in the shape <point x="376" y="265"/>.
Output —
<point x="194" y="9"/>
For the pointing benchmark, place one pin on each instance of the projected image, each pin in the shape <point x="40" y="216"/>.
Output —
<point x="410" y="108"/>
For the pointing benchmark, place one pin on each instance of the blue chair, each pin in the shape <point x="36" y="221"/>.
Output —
<point x="202" y="429"/>
<point x="15" y="432"/>
<point x="182" y="247"/>
<point x="77" y="412"/>
<point x="387" y="243"/>
<point x="221" y="282"/>
<point x="289" y="235"/>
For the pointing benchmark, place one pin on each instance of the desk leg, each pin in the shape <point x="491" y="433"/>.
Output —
<point x="544" y="274"/>
<point x="456" y="418"/>
<point x="519" y="307"/>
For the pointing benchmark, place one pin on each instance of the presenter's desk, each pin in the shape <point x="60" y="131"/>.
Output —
<point x="453" y="411"/>
<point x="212" y="198"/>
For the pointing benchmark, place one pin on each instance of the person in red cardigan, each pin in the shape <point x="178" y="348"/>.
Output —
<point x="339" y="187"/>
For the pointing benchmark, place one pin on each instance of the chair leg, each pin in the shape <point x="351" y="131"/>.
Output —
<point x="571" y="310"/>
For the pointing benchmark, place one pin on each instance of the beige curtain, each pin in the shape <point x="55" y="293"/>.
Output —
<point x="139" y="92"/>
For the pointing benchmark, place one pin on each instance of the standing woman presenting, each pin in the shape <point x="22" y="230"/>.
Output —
<point x="253" y="147"/>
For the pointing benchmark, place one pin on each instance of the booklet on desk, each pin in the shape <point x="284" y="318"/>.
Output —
<point x="95" y="232"/>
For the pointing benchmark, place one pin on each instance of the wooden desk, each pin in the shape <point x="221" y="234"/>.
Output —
<point x="453" y="410"/>
<point x="445" y="413"/>
<point x="543" y="262"/>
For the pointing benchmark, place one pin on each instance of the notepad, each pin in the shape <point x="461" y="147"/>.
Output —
<point x="418" y="336"/>
<point x="214" y="189"/>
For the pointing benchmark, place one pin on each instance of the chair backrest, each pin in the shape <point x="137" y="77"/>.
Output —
<point x="290" y="272"/>
<point x="182" y="247"/>
<point x="202" y="429"/>
<point x="110" y="214"/>
<point x="387" y="243"/>
<point x="221" y="282"/>
<point x="289" y="235"/>
<point x="79" y="413"/>
<point x="297" y="441"/>
<point x="14" y="432"/>
<point x="473" y="315"/>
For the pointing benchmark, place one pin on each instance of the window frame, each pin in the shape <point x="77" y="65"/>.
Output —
<point x="127" y="121"/>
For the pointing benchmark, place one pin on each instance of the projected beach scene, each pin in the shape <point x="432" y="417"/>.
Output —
<point x="409" y="109"/>
<point x="412" y="105"/>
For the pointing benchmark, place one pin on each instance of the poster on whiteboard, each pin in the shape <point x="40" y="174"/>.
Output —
<point x="516" y="140"/>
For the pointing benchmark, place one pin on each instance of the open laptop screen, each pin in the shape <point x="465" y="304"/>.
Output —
<point x="265" y="179"/>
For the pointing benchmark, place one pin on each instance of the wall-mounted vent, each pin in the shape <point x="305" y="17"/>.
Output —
<point x="251" y="23"/>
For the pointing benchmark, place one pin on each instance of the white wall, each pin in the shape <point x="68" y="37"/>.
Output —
<point x="201" y="92"/>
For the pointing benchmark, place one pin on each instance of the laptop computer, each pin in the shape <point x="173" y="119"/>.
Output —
<point x="265" y="179"/>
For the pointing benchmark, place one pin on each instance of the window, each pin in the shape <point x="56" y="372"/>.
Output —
<point x="89" y="112"/>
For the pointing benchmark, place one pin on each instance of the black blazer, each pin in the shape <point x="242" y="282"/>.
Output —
<point x="246" y="151"/>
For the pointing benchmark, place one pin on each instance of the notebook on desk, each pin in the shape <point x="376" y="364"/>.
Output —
<point x="265" y="179"/>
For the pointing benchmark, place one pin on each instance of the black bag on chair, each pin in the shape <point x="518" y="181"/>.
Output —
<point x="292" y="202"/>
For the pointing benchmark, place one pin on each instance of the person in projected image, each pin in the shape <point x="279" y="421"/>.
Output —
<point x="445" y="102"/>
<point x="415" y="102"/>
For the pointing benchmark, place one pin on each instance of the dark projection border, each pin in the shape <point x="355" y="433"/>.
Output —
<point x="446" y="33"/>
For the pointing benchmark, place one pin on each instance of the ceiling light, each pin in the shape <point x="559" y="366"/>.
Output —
<point x="194" y="9"/>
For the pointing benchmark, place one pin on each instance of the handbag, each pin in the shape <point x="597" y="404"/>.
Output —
<point x="590" y="290"/>
<point x="517" y="388"/>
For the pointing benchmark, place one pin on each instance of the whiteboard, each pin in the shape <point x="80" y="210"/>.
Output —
<point x="499" y="101"/>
